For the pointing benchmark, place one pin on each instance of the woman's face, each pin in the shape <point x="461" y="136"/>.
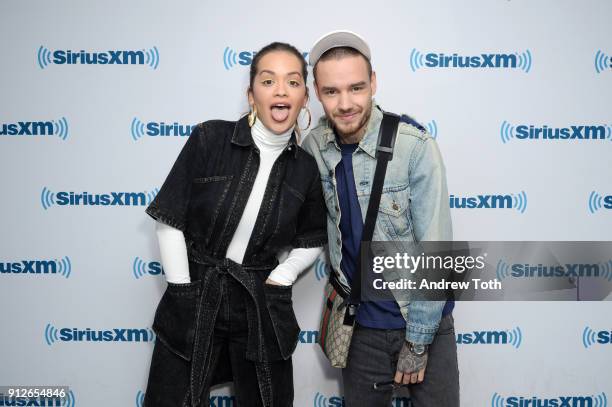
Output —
<point x="279" y="91"/>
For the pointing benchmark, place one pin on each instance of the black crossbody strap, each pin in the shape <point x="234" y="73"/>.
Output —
<point x="384" y="153"/>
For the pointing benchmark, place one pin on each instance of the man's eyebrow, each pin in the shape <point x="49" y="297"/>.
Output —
<point x="326" y="88"/>
<point x="352" y="85"/>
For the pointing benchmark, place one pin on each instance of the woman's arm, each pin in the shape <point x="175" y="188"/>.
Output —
<point x="299" y="259"/>
<point x="173" y="251"/>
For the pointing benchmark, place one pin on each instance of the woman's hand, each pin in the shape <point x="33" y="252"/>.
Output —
<point x="272" y="282"/>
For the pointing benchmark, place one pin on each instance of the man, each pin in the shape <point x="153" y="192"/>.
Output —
<point x="411" y="343"/>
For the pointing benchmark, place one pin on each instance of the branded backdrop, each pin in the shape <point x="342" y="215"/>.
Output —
<point x="97" y="101"/>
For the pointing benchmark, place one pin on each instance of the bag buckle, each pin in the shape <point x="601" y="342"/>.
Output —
<point x="350" y="314"/>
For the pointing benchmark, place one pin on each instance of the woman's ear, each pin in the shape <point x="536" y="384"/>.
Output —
<point x="250" y="97"/>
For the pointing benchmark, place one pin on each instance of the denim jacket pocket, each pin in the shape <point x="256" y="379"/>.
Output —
<point x="289" y="204"/>
<point x="284" y="322"/>
<point x="395" y="205"/>
<point x="208" y="195"/>
<point x="175" y="318"/>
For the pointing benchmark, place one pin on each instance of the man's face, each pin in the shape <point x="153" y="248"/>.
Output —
<point x="345" y="90"/>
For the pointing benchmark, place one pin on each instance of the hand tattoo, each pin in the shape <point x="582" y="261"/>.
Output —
<point x="408" y="362"/>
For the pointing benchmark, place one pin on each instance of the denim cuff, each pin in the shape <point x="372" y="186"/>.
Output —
<point x="420" y="334"/>
<point x="160" y="215"/>
<point x="308" y="242"/>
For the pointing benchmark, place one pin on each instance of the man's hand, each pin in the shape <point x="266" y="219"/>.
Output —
<point x="410" y="367"/>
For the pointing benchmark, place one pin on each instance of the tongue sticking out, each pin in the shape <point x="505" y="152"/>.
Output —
<point x="280" y="114"/>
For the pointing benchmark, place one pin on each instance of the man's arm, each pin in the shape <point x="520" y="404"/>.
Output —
<point x="431" y="220"/>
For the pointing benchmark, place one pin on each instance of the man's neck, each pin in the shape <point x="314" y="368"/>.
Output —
<point x="353" y="138"/>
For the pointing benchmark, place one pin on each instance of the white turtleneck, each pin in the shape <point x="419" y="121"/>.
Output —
<point x="270" y="147"/>
<point x="172" y="241"/>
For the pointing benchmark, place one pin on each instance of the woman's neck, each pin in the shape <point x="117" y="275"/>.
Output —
<point x="264" y="138"/>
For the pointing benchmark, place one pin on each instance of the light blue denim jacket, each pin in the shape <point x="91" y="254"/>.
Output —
<point x="414" y="205"/>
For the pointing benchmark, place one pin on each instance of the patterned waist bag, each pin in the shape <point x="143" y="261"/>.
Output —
<point x="334" y="336"/>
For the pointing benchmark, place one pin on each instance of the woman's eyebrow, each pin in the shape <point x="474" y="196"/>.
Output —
<point x="274" y="73"/>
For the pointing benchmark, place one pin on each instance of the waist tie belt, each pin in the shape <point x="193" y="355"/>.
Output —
<point x="212" y="282"/>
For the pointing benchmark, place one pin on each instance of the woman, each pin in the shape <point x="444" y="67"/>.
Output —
<point x="237" y="195"/>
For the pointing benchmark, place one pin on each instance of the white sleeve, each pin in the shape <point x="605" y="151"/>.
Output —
<point x="299" y="259"/>
<point x="173" y="251"/>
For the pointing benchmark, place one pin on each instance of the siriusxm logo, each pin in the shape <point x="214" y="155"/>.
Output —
<point x="432" y="129"/>
<point x="141" y="267"/>
<point x="599" y="400"/>
<point x="603" y="62"/>
<point x="139" y="129"/>
<point x="513" y="201"/>
<point x="149" y="57"/>
<point x="505" y="270"/>
<point x="321" y="269"/>
<point x="595" y="202"/>
<point x="321" y="400"/>
<point x="221" y="401"/>
<point x="308" y="336"/>
<point x="140" y="396"/>
<point x="68" y="400"/>
<point x="57" y="128"/>
<point x="61" y="267"/>
<point x="52" y="335"/>
<point x="233" y="58"/>
<point x="516" y="60"/>
<point x="512" y="337"/>
<point x="69" y="198"/>
<point x="591" y="337"/>
<point x="213" y="401"/>
<point x="574" y="132"/>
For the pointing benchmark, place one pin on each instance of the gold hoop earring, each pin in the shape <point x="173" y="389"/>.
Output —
<point x="309" y="118"/>
<point x="252" y="116"/>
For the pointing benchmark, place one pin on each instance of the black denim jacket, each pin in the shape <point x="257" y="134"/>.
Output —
<point x="209" y="185"/>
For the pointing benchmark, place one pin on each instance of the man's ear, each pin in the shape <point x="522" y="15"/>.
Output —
<point x="373" y="83"/>
<point x="314" y="83"/>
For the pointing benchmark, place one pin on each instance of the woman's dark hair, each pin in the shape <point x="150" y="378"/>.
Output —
<point x="277" y="46"/>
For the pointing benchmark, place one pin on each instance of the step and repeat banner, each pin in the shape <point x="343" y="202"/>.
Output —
<point x="98" y="97"/>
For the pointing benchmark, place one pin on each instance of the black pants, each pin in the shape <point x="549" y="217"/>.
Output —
<point x="170" y="374"/>
<point x="373" y="358"/>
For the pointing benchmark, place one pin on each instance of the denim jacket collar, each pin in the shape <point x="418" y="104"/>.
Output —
<point x="242" y="136"/>
<point x="370" y="139"/>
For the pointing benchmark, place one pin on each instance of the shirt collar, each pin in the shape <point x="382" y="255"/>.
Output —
<point x="242" y="136"/>
<point x="370" y="139"/>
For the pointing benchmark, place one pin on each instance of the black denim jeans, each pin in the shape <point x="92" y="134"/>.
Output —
<point x="373" y="358"/>
<point x="227" y="325"/>
<point x="230" y="343"/>
<point x="168" y="383"/>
